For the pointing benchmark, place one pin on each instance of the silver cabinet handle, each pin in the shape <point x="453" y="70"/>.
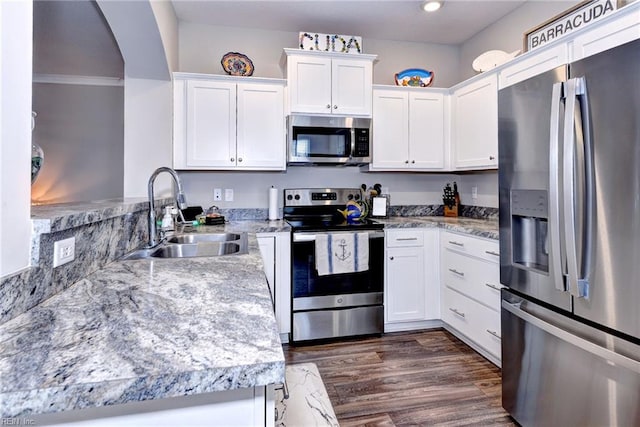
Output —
<point x="494" y="333"/>
<point x="328" y="105"/>
<point x="406" y="161"/>
<point x="413" y="161"/>
<point x="454" y="271"/>
<point x="335" y="107"/>
<point x="391" y="258"/>
<point x="406" y="238"/>
<point x="492" y="253"/>
<point x="456" y="311"/>
<point x="492" y="157"/>
<point x="239" y="159"/>
<point x="453" y="242"/>
<point x="233" y="160"/>
<point x="497" y="288"/>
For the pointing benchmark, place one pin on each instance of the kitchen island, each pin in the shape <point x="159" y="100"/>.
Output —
<point x="146" y="331"/>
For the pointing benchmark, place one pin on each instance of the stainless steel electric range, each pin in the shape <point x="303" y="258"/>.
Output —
<point x="341" y="303"/>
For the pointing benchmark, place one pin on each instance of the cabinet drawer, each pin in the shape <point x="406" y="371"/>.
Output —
<point x="479" y="323"/>
<point x="472" y="277"/>
<point x="404" y="238"/>
<point x="473" y="246"/>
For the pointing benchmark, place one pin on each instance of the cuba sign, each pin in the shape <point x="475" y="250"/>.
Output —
<point x="571" y="20"/>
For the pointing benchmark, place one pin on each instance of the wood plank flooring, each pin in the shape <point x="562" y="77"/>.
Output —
<point x="408" y="378"/>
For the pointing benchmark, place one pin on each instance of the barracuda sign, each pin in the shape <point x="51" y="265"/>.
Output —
<point x="573" y="19"/>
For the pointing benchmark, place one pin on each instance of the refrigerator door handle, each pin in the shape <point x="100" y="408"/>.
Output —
<point x="611" y="356"/>
<point x="556" y="264"/>
<point x="577" y="170"/>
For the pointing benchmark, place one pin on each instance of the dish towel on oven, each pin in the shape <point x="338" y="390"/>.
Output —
<point x="342" y="253"/>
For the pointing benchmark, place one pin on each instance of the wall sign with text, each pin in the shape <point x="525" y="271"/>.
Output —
<point x="330" y="42"/>
<point x="573" y="19"/>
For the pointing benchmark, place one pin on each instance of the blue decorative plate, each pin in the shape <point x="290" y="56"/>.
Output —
<point x="237" y="64"/>
<point x="416" y="77"/>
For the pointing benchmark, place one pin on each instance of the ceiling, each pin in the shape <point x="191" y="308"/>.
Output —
<point x="401" y="20"/>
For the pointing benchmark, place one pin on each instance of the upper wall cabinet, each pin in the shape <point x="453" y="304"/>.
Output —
<point x="225" y="123"/>
<point x="474" y="132"/>
<point x="329" y="83"/>
<point x="533" y="65"/>
<point x="408" y="129"/>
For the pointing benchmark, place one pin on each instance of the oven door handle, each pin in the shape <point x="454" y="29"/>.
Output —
<point x="311" y="236"/>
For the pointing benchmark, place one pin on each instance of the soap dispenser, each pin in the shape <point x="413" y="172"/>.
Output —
<point x="167" y="219"/>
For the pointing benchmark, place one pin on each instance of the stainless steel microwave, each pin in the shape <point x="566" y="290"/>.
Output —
<point x="328" y="140"/>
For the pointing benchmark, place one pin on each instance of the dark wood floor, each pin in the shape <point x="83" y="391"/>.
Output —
<point x="417" y="378"/>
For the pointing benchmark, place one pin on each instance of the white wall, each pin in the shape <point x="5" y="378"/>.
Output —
<point x="507" y="33"/>
<point x="148" y="112"/>
<point x="202" y="47"/>
<point x="16" y="47"/>
<point x="251" y="189"/>
<point x="168" y="27"/>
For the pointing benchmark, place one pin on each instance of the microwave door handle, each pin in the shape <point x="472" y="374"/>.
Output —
<point x="352" y="133"/>
<point x="577" y="137"/>
<point x="557" y="264"/>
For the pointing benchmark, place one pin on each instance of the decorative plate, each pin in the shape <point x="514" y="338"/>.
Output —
<point x="237" y="64"/>
<point x="414" y="77"/>
<point x="491" y="59"/>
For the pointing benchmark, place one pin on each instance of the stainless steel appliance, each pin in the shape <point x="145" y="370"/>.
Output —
<point x="328" y="140"/>
<point x="569" y="188"/>
<point x="334" y="305"/>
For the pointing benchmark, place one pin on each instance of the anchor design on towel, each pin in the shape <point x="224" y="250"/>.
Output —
<point x="345" y="255"/>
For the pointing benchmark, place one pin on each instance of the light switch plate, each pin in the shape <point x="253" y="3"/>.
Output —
<point x="228" y="195"/>
<point x="64" y="251"/>
<point x="474" y="192"/>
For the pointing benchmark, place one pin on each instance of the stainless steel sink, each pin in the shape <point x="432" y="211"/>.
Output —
<point x="204" y="237"/>
<point x="195" y="245"/>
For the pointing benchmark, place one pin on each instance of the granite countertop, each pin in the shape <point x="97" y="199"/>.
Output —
<point x="145" y="329"/>
<point x="487" y="228"/>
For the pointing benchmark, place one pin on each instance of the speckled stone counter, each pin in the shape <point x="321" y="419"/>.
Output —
<point x="487" y="228"/>
<point x="142" y="330"/>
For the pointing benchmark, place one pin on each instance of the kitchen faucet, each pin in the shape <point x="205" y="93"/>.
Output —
<point x="180" y="200"/>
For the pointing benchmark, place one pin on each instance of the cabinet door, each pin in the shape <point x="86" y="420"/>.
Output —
<point x="475" y="130"/>
<point x="426" y="130"/>
<point x="405" y="292"/>
<point x="536" y="63"/>
<point x="261" y="140"/>
<point x="267" y="245"/>
<point x="211" y="124"/>
<point x="351" y="90"/>
<point x="309" y="84"/>
<point x="607" y="35"/>
<point x="390" y="132"/>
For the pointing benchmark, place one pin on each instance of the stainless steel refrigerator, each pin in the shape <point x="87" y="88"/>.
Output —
<point x="569" y="189"/>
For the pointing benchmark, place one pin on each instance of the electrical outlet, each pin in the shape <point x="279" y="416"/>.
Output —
<point x="228" y="195"/>
<point x="474" y="193"/>
<point x="217" y="194"/>
<point x="64" y="251"/>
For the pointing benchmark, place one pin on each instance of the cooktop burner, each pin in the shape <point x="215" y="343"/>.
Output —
<point x="319" y="224"/>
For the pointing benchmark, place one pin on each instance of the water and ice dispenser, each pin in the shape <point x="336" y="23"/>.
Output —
<point x="529" y="225"/>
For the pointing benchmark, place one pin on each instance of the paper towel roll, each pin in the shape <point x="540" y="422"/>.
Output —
<point x="273" y="203"/>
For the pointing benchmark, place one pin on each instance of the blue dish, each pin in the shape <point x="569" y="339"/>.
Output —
<point x="416" y="77"/>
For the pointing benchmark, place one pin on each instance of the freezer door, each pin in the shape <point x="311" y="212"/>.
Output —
<point x="559" y="372"/>
<point x="613" y="89"/>
<point x="525" y="113"/>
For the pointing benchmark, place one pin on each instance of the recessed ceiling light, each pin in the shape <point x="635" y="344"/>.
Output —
<point x="431" y="6"/>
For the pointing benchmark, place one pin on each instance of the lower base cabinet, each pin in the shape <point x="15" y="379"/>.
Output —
<point x="412" y="290"/>
<point x="254" y="406"/>
<point x="275" y="249"/>
<point x="471" y="291"/>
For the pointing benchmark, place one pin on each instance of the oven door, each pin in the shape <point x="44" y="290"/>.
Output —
<point x="338" y="304"/>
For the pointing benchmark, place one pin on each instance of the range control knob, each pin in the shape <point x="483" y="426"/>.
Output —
<point x="357" y="197"/>
<point x="289" y="197"/>
<point x="350" y="197"/>
<point x="297" y="197"/>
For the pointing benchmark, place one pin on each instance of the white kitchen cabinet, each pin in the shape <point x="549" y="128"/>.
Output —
<point x="533" y="64"/>
<point x="275" y="249"/>
<point x="329" y="83"/>
<point x="408" y="129"/>
<point x="617" y="29"/>
<point x="224" y="123"/>
<point x="470" y="292"/>
<point x="411" y="279"/>
<point x="474" y="133"/>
